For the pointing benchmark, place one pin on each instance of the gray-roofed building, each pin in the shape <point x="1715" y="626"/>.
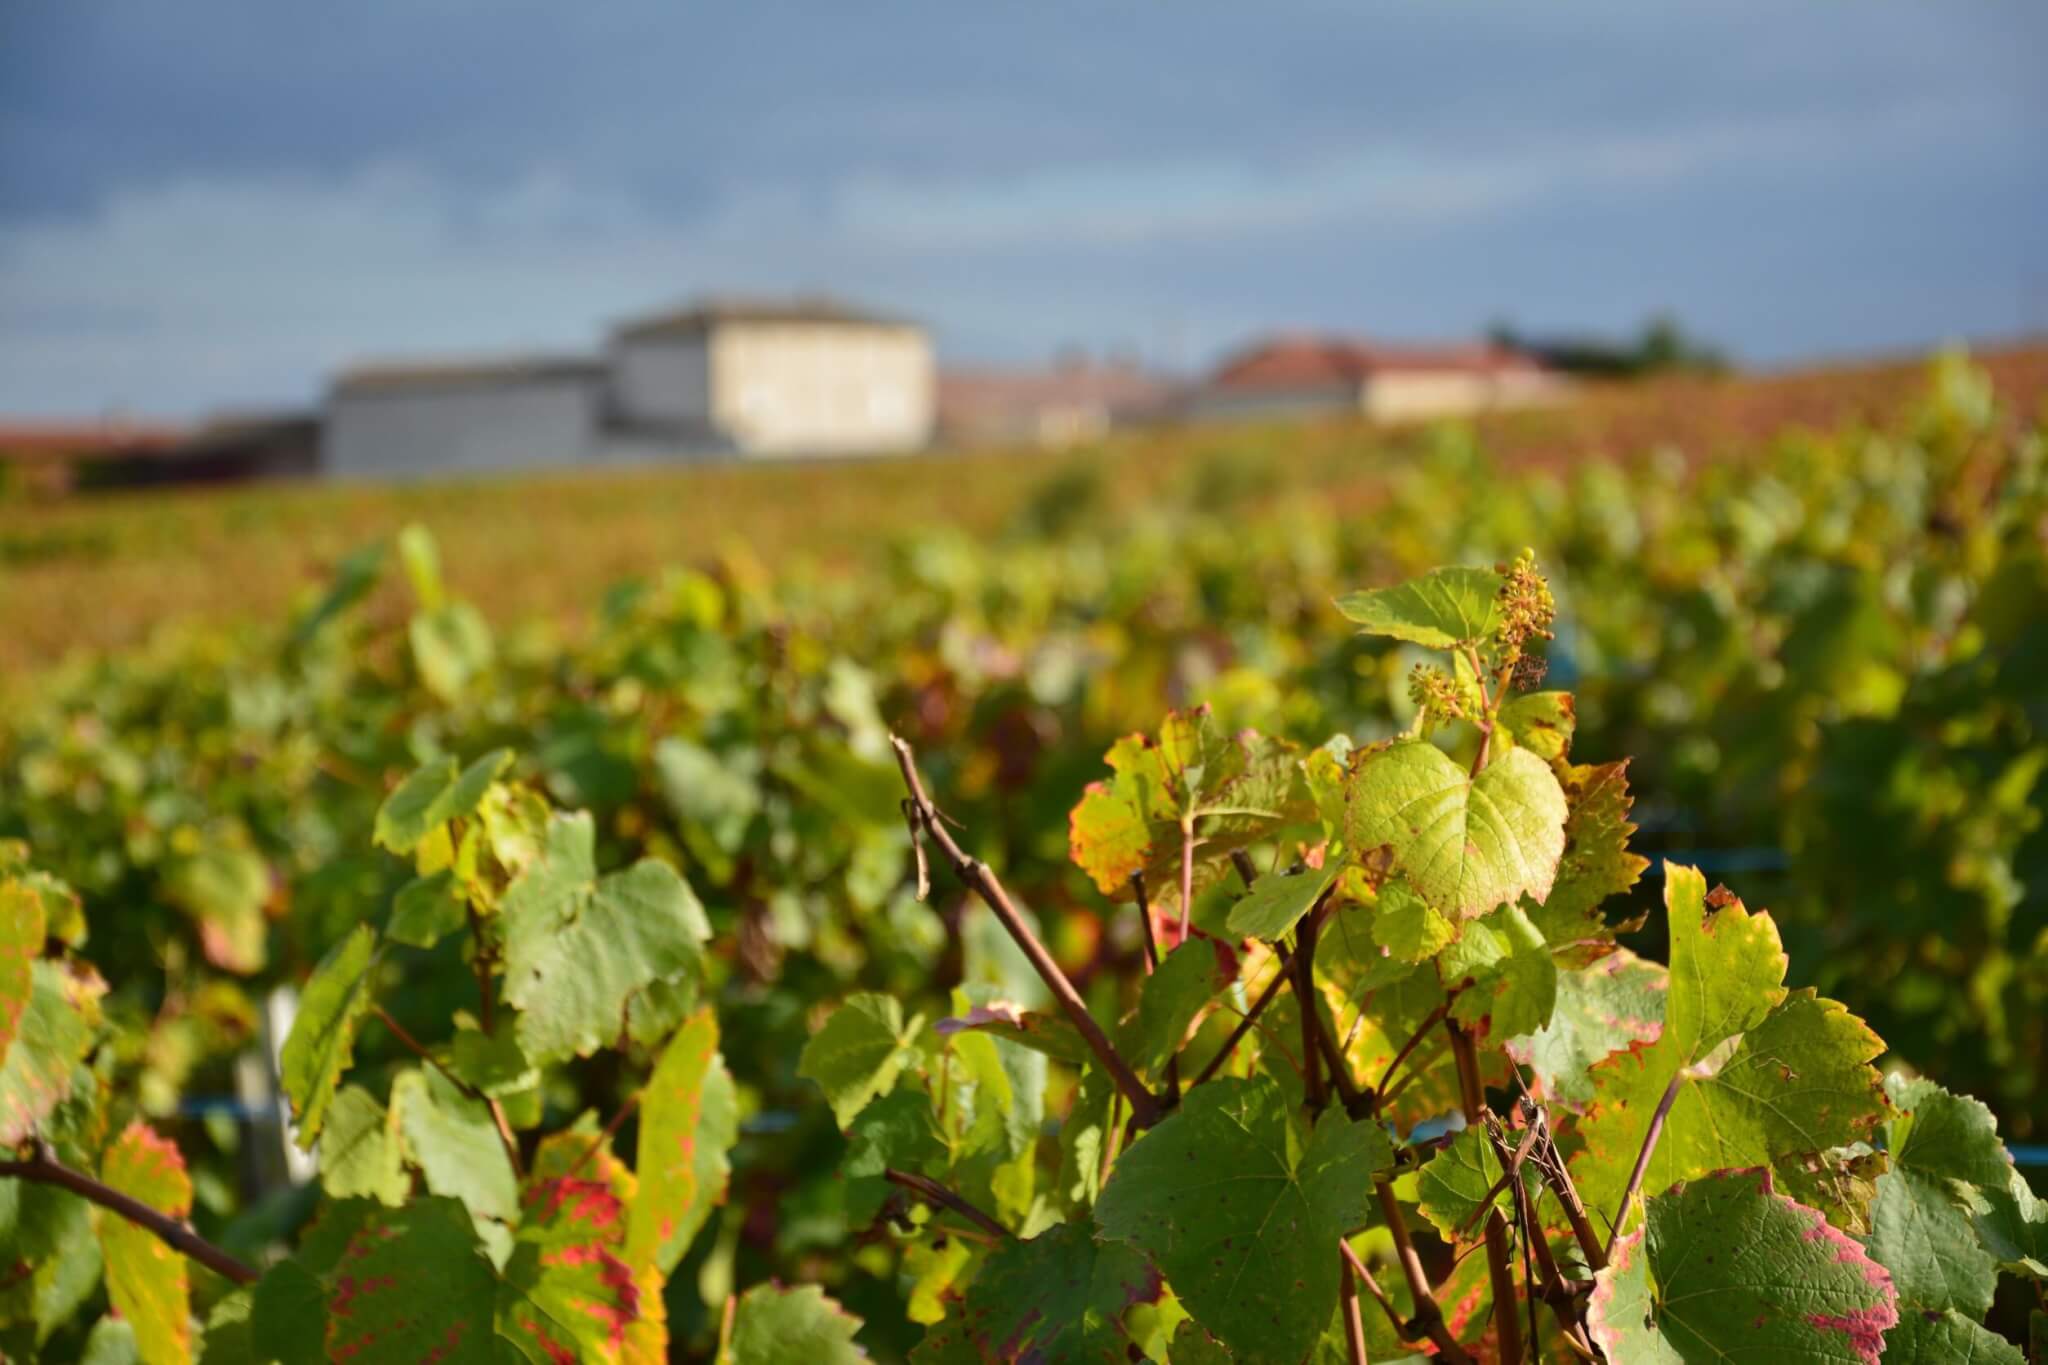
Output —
<point x="465" y="417"/>
<point x="775" y="377"/>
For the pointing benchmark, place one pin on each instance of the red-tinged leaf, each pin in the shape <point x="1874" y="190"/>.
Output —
<point x="52" y="1034"/>
<point x="1108" y="837"/>
<point x="568" y="1286"/>
<point x="1726" y="1268"/>
<point x="21" y="941"/>
<point x="412" y="1285"/>
<point x="689" y="1120"/>
<point x="147" y="1281"/>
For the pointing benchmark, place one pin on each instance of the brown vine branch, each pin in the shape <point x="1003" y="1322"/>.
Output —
<point x="1500" y="1267"/>
<point x="489" y="1102"/>
<point x="1429" y="1315"/>
<point x="1642" y="1166"/>
<point x="1304" y="966"/>
<point x="933" y="1192"/>
<point x="45" y="1169"/>
<point x="1146" y="1108"/>
<point x="1362" y="1275"/>
<point x="1354" y="1325"/>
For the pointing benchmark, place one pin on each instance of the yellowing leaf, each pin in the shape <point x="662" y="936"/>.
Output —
<point x="689" y="1120"/>
<point x="146" y="1280"/>
<point x="1466" y="844"/>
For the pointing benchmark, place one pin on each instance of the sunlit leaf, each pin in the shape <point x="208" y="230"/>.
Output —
<point x="1442" y="609"/>
<point x="323" y="1037"/>
<point x="689" y="1119"/>
<point x="579" y="946"/>
<point x="1465" y="844"/>
<point x="148" y="1281"/>
<point x="794" y="1326"/>
<point x="859" y="1052"/>
<point x="1691" y="1285"/>
<point x="1242" y="1214"/>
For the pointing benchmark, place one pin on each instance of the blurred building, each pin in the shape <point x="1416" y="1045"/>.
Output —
<point x="797" y="377"/>
<point x="775" y="378"/>
<point x="46" y="458"/>
<point x="1063" y="404"/>
<point x="1294" y="376"/>
<point x="401" y="421"/>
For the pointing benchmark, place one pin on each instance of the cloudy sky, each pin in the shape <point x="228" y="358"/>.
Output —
<point x="216" y="202"/>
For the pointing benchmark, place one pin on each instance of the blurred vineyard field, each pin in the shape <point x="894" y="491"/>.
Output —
<point x="1808" y="615"/>
<point x="93" y="573"/>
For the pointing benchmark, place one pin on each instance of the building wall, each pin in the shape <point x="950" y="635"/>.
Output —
<point x="1411" y="395"/>
<point x="445" y="431"/>
<point x="795" y="388"/>
<point x="661" y="380"/>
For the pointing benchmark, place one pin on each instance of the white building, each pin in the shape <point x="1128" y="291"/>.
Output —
<point x="797" y="378"/>
<point x="1293" y="376"/>
<point x="417" y="421"/>
<point x="804" y="377"/>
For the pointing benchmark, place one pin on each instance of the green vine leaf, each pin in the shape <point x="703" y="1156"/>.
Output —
<point x="1726" y="1268"/>
<point x="1060" y="1296"/>
<point x="2012" y="1224"/>
<point x="1465" y="844"/>
<point x="1242" y="1214"/>
<point x="1920" y="1221"/>
<point x="426" y="910"/>
<point x="53" y="1033"/>
<point x="1616" y="1003"/>
<point x="323" y="1037"/>
<point x="1946" y="1338"/>
<point x="1443" y="609"/>
<point x="1510" y="977"/>
<point x="800" y="1326"/>
<point x="689" y="1120"/>
<point x="376" y="1312"/>
<point x="1276" y="901"/>
<point x="360" y="1154"/>
<point x="1407" y="926"/>
<point x="432" y="796"/>
<point x="579" y="947"/>
<point x="454" y="1142"/>
<point x="1457" y="1184"/>
<point x="1188" y="978"/>
<point x="859" y="1053"/>
<point x="147" y="1281"/>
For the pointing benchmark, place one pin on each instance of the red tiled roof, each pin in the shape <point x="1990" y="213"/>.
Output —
<point x="1312" y="362"/>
